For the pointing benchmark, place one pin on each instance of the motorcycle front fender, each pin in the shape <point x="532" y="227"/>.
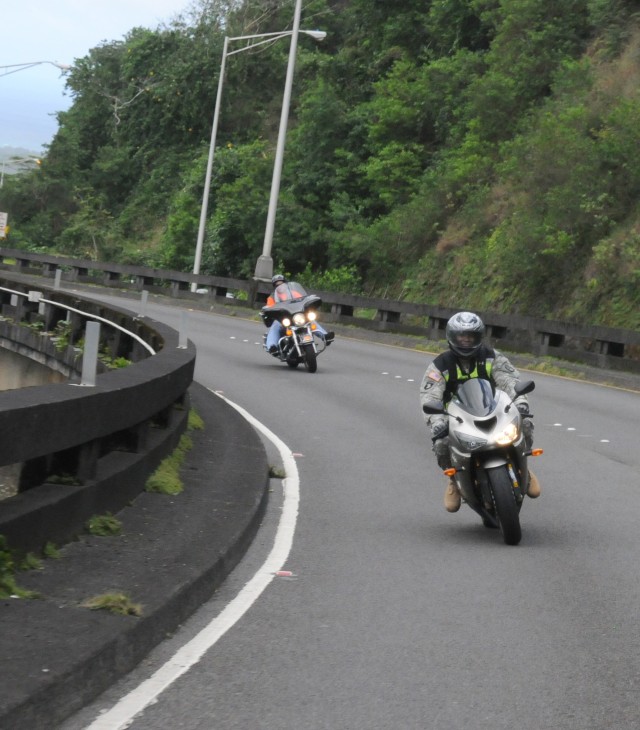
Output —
<point x="492" y="461"/>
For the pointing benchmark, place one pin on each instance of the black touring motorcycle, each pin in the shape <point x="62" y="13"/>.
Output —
<point x="300" y="342"/>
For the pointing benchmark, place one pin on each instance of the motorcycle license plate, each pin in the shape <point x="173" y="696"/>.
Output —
<point x="307" y="338"/>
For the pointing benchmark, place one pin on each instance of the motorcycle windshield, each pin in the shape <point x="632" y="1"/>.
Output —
<point x="289" y="291"/>
<point x="476" y="397"/>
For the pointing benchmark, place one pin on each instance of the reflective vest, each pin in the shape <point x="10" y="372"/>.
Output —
<point x="447" y="364"/>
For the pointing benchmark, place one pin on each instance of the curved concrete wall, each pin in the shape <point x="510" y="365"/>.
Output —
<point x="87" y="450"/>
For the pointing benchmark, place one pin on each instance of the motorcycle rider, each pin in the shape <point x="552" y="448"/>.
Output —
<point x="283" y="293"/>
<point x="280" y="293"/>
<point x="466" y="358"/>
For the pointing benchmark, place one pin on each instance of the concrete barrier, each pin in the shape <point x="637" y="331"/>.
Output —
<point x="603" y="347"/>
<point x="87" y="450"/>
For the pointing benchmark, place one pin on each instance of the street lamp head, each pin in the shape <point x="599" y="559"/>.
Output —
<point x="317" y="35"/>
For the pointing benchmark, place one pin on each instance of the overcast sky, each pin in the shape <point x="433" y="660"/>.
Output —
<point x="59" y="31"/>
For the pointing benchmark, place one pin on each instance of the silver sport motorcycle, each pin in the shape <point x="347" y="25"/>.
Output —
<point x="488" y="453"/>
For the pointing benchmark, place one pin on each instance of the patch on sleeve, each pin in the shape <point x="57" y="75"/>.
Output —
<point x="434" y="375"/>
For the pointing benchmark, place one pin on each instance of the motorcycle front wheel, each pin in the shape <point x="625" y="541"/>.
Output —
<point x="504" y="501"/>
<point x="310" y="358"/>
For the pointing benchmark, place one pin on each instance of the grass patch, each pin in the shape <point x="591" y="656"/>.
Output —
<point x="8" y="586"/>
<point x="62" y="335"/>
<point x="365" y="313"/>
<point x="549" y="367"/>
<point x="30" y="562"/>
<point x="114" y="363"/>
<point x="114" y="603"/>
<point x="166" y="478"/>
<point x="65" y="479"/>
<point x="104" y="525"/>
<point x="195" y="422"/>
<point x="275" y="472"/>
<point x="51" y="551"/>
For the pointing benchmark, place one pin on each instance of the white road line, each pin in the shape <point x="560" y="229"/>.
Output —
<point x="122" y="714"/>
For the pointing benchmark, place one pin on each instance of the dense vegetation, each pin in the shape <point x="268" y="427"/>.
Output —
<point x="472" y="153"/>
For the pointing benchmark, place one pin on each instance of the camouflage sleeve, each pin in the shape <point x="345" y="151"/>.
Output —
<point x="432" y="391"/>
<point x="505" y="376"/>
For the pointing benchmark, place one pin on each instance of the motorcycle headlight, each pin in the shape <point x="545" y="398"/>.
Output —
<point x="471" y="443"/>
<point x="299" y="319"/>
<point x="509" y="435"/>
<point x="286" y="321"/>
<point x="311" y="316"/>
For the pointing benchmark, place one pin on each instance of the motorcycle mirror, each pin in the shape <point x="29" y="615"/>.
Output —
<point x="525" y="386"/>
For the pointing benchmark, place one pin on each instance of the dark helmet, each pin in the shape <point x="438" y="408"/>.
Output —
<point x="277" y="280"/>
<point x="465" y="331"/>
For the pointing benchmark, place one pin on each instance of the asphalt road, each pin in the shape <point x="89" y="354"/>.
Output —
<point x="399" y="615"/>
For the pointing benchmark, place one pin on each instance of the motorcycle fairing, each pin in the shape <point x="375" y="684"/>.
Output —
<point x="476" y="409"/>
<point x="476" y="397"/>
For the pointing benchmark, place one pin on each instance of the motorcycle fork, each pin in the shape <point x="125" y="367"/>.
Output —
<point x="295" y="345"/>
<point x="516" y="482"/>
<point x="519" y="473"/>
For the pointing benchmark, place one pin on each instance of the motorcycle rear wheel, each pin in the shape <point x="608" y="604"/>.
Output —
<point x="310" y="358"/>
<point x="505" y="504"/>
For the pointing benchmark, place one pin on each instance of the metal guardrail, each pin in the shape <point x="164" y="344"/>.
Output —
<point x="604" y="347"/>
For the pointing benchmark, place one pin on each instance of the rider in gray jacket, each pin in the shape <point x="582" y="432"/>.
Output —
<point x="468" y="358"/>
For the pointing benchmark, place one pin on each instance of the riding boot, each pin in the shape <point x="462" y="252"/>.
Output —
<point x="452" y="497"/>
<point x="533" y="490"/>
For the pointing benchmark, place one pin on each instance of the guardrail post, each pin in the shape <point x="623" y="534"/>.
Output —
<point x="143" y="303"/>
<point x="58" y="277"/>
<point x="543" y="347"/>
<point x="90" y="355"/>
<point x="183" y="331"/>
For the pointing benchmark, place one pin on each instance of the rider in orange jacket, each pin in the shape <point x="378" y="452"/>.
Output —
<point x="286" y="291"/>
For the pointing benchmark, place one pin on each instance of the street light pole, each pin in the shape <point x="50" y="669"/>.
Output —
<point x="207" y="178"/>
<point x="264" y="264"/>
<point x="265" y="38"/>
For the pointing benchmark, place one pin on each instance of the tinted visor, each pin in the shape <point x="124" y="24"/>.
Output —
<point x="467" y="340"/>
